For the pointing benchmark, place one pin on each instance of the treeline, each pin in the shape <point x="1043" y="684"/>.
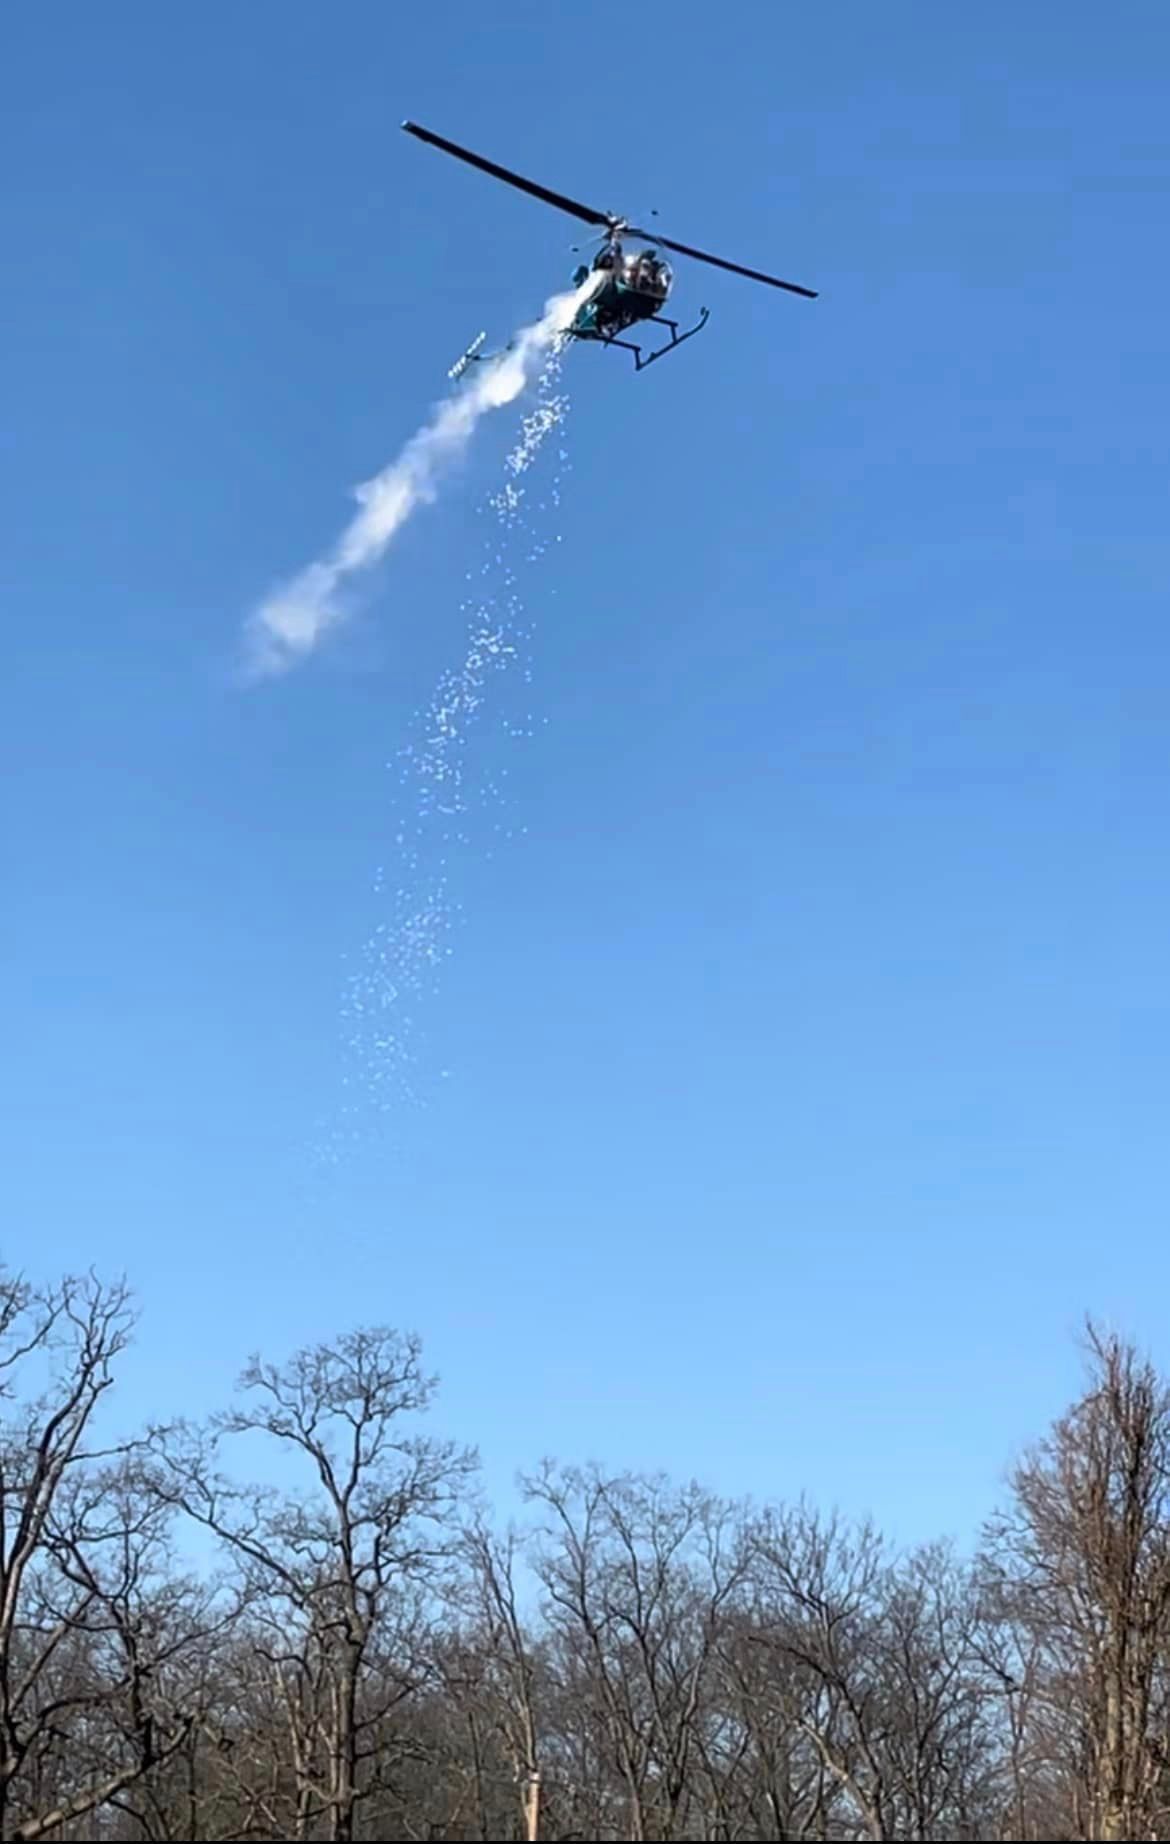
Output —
<point x="370" y="1658"/>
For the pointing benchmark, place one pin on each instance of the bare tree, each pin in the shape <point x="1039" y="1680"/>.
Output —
<point x="938" y="1705"/>
<point x="150" y="1634"/>
<point x="1080" y="1565"/>
<point x="820" y="1590"/>
<point x="373" y="1659"/>
<point x="320" y="1567"/>
<point x="493" y="1664"/>
<point x="768" y="1778"/>
<point x="82" y="1713"/>
<point x="636" y="1575"/>
<point x="877" y="1662"/>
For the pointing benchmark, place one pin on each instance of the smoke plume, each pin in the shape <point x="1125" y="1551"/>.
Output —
<point x="291" y="621"/>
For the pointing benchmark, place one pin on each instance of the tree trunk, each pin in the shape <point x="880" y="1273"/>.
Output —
<point x="344" y="1791"/>
<point x="532" y="1806"/>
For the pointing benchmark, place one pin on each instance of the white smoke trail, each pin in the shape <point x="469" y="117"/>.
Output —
<point x="290" y="622"/>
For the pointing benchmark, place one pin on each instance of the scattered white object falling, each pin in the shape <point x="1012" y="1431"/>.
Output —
<point x="451" y="800"/>
<point x="289" y="623"/>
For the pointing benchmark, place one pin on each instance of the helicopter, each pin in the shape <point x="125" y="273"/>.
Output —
<point x="633" y="285"/>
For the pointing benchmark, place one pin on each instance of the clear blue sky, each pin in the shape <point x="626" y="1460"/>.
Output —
<point x="809" y="1055"/>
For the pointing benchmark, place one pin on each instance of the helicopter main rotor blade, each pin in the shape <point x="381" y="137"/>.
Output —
<point x="720" y="262"/>
<point x="558" y="199"/>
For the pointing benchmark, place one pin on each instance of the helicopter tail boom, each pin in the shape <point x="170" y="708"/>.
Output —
<point x="467" y="357"/>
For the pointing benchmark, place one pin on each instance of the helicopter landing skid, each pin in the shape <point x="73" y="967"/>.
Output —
<point x="641" y="358"/>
